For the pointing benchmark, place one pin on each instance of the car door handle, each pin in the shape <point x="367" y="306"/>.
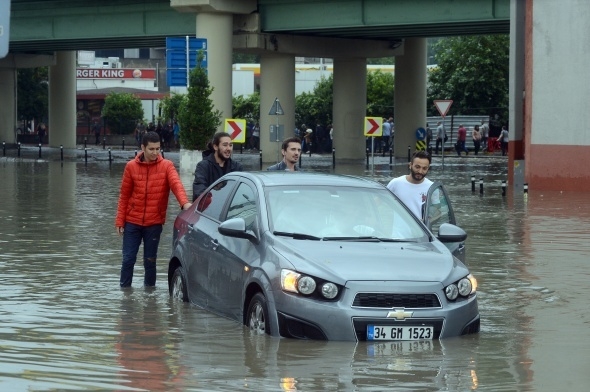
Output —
<point x="215" y="244"/>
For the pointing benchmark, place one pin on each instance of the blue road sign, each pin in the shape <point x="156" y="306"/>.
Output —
<point x="420" y="133"/>
<point x="176" y="58"/>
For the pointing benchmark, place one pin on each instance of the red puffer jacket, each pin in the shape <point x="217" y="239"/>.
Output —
<point x="145" y="190"/>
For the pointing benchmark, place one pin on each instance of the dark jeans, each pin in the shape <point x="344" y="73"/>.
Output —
<point x="476" y="146"/>
<point x="132" y="237"/>
<point x="439" y="142"/>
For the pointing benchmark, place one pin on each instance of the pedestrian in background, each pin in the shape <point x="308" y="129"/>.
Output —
<point x="485" y="133"/>
<point x="96" y="130"/>
<point x="386" y="135"/>
<point x="216" y="162"/>
<point x="176" y="134"/>
<point x="41" y="132"/>
<point x="441" y="136"/>
<point x="503" y="139"/>
<point x="141" y="211"/>
<point x="461" y="138"/>
<point x="476" y="136"/>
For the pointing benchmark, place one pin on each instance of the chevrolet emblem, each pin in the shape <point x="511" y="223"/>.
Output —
<point x="399" y="314"/>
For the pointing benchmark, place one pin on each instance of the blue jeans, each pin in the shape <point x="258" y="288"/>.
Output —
<point x="132" y="237"/>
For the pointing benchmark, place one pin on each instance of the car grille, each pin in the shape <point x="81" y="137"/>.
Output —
<point x="390" y="300"/>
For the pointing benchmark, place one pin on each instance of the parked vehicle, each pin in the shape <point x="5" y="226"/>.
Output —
<point x="321" y="256"/>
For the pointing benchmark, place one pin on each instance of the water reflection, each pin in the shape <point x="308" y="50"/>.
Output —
<point x="67" y="325"/>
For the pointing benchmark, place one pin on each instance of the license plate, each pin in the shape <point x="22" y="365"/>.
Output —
<point x="388" y="332"/>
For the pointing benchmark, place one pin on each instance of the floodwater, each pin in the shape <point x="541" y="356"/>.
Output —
<point x="66" y="325"/>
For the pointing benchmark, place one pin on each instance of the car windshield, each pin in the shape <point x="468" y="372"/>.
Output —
<point x="340" y="213"/>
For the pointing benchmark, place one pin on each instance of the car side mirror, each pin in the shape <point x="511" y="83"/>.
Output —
<point x="451" y="233"/>
<point x="236" y="227"/>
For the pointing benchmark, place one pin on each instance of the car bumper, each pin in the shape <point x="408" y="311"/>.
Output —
<point x="301" y="317"/>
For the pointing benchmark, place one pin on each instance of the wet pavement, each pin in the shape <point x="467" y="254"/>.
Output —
<point x="66" y="325"/>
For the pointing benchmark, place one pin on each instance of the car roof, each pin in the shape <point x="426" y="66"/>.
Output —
<point x="283" y="178"/>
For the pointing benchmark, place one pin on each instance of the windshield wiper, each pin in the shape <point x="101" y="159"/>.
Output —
<point x="364" y="239"/>
<point x="297" y="236"/>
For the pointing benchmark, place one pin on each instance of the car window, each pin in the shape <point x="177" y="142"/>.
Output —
<point x="324" y="211"/>
<point x="439" y="210"/>
<point x="243" y="205"/>
<point x="212" y="203"/>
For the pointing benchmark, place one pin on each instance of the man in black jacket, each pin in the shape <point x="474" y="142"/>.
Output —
<point x="216" y="162"/>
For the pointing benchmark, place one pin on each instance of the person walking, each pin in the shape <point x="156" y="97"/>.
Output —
<point x="441" y="136"/>
<point x="386" y="134"/>
<point x="412" y="189"/>
<point x="291" y="150"/>
<point x="216" y="162"/>
<point x="503" y="139"/>
<point x="485" y="133"/>
<point x="141" y="210"/>
<point x="176" y="134"/>
<point x="476" y="136"/>
<point x="41" y="132"/>
<point x="96" y="130"/>
<point x="461" y="138"/>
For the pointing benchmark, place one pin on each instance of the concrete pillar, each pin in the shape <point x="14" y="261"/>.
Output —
<point x="217" y="28"/>
<point x="350" y="102"/>
<point x="7" y="105"/>
<point x="277" y="80"/>
<point x="410" y="95"/>
<point x="62" y="101"/>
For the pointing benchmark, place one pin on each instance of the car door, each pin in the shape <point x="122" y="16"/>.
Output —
<point x="232" y="257"/>
<point x="438" y="210"/>
<point x="201" y="234"/>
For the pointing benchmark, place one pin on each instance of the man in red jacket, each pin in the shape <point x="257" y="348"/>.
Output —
<point x="143" y="200"/>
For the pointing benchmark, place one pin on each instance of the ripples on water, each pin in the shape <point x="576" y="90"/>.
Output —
<point x="67" y="326"/>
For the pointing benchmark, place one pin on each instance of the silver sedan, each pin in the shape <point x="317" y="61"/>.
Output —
<point x="320" y="256"/>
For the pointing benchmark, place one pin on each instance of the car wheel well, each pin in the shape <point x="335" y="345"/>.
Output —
<point x="251" y="290"/>
<point x="172" y="266"/>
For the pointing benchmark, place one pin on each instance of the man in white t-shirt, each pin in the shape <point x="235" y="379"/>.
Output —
<point x="412" y="188"/>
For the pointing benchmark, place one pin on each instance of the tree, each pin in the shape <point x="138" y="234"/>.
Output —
<point x="32" y="101"/>
<point x="472" y="71"/>
<point x="380" y="94"/>
<point x="170" y="107"/>
<point x="198" y="119"/>
<point x="314" y="107"/>
<point x="247" y="108"/>
<point x="122" y="110"/>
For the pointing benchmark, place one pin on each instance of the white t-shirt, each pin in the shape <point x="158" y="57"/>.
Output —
<point x="412" y="195"/>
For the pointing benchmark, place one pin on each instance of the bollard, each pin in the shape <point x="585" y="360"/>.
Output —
<point x="241" y="148"/>
<point x="526" y="188"/>
<point x="104" y="143"/>
<point x="503" y="187"/>
<point x="310" y="152"/>
<point x="260" y="154"/>
<point x="61" y="152"/>
<point x="472" y="184"/>
<point x="333" y="158"/>
<point x="110" y="156"/>
<point x="409" y="154"/>
<point x="481" y="186"/>
<point x="85" y="142"/>
<point x="163" y="154"/>
<point x="135" y="153"/>
<point x="39" y="150"/>
<point x="367" y="158"/>
<point x="390" y="156"/>
<point x="85" y="155"/>
<point x="3" y="148"/>
<point x="123" y="146"/>
<point x="300" y="161"/>
<point x="18" y="150"/>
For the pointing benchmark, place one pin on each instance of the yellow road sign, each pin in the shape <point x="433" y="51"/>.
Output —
<point x="373" y="126"/>
<point x="236" y="129"/>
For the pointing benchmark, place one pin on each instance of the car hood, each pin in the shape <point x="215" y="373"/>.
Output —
<point x="343" y="261"/>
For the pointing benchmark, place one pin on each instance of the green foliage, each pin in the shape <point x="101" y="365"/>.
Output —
<point x="122" y="111"/>
<point x="245" y="58"/>
<point x="380" y="94"/>
<point x="247" y="108"/>
<point x="472" y="71"/>
<point x="198" y="119"/>
<point x="33" y="101"/>
<point x="170" y="107"/>
<point x="315" y="107"/>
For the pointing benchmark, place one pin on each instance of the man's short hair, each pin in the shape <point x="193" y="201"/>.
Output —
<point x="286" y="142"/>
<point x="150" y="137"/>
<point x="421" y="155"/>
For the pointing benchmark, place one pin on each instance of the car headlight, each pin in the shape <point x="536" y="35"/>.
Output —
<point x="306" y="285"/>
<point x="329" y="290"/>
<point x="297" y="283"/>
<point x="463" y="287"/>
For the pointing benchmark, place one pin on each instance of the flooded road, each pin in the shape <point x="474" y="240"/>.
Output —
<point x="66" y="325"/>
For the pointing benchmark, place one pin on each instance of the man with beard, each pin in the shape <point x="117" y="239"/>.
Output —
<point x="216" y="162"/>
<point x="291" y="150"/>
<point x="412" y="189"/>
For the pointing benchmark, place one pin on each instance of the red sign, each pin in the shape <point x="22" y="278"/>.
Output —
<point x="115" y="73"/>
<point x="236" y="129"/>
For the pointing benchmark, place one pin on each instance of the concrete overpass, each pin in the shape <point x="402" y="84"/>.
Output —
<point x="47" y="31"/>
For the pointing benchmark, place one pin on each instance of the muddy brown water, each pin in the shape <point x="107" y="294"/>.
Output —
<point x="66" y="325"/>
